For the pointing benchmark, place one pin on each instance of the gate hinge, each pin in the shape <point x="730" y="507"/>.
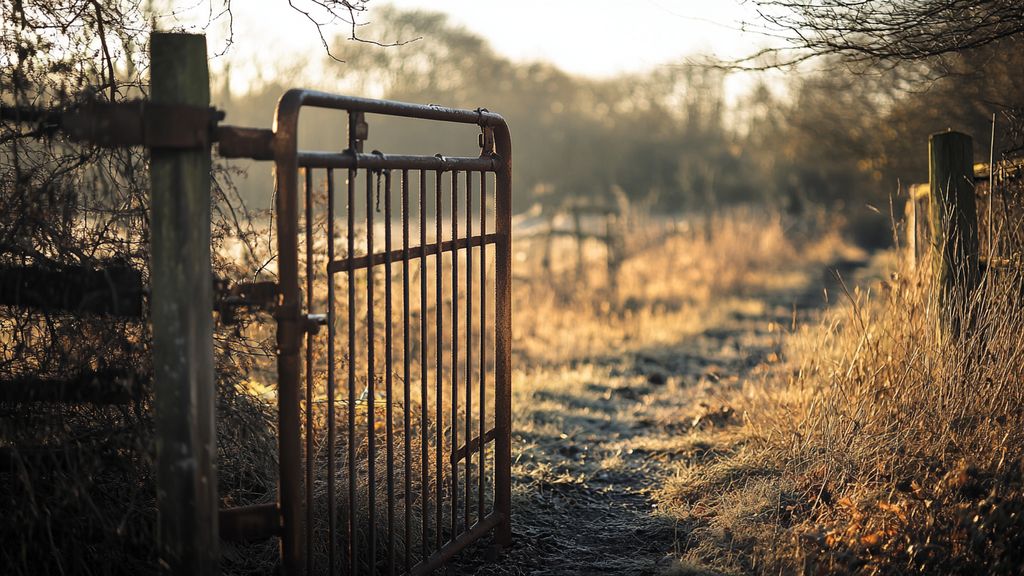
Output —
<point x="250" y="296"/>
<point x="250" y="523"/>
<point x="142" y="123"/>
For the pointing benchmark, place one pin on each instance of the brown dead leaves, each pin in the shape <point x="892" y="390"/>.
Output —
<point x="716" y="417"/>
<point x="942" y="522"/>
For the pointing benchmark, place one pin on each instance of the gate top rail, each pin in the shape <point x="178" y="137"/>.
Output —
<point x="495" y="140"/>
<point x="290" y="103"/>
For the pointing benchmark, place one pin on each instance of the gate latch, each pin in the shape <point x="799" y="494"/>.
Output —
<point x="358" y="131"/>
<point x="313" y="322"/>
<point x="486" y="141"/>
<point x="248" y="296"/>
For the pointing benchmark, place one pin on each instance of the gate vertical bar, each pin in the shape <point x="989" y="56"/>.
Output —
<point x="331" y="538"/>
<point x="353" y="504"/>
<point x="424" y="371"/>
<point x="406" y="371"/>
<point x="439" y="354"/>
<point x="389" y="369"/>
<point x="469" y="349"/>
<point x="182" y="304"/>
<point x="309" y="370"/>
<point x="289" y="339"/>
<point x="371" y="391"/>
<point x="455" y="357"/>
<point x="503" y="337"/>
<point x="483" y="346"/>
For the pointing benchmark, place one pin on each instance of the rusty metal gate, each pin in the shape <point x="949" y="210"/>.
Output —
<point x="435" y="392"/>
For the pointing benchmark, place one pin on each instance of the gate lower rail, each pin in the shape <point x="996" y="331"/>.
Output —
<point x="426" y="376"/>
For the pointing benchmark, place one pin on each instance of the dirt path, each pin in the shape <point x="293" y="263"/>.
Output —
<point x="594" y="438"/>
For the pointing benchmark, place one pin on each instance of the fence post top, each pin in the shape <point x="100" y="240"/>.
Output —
<point x="948" y="133"/>
<point x="172" y="33"/>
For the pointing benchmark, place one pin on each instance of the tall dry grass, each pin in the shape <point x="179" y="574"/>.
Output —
<point x="665" y="292"/>
<point x="882" y="444"/>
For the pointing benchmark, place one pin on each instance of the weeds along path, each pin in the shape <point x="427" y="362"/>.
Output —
<point x="597" y="423"/>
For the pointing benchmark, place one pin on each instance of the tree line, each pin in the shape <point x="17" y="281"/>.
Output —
<point x="839" y="134"/>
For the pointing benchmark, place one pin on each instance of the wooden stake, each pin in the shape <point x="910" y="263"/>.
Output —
<point x="954" y="225"/>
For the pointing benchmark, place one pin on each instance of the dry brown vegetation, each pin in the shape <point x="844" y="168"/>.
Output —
<point x="701" y="417"/>
<point x="613" y="390"/>
<point x="710" y="410"/>
<point x="707" y="417"/>
<point x="878" y="444"/>
<point x="687" y="273"/>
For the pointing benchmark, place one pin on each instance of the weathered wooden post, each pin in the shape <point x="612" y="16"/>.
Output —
<point x="549" y="239"/>
<point x="182" y="309"/>
<point x="612" y="248"/>
<point x="910" y="229"/>
<point x="953" y="219"/>
<point x="577" y="228"/>
<point x="917" y="225"/>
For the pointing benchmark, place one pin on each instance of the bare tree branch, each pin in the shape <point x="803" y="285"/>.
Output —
<point x="345" y="11"/>
<point x="881" y="30"/>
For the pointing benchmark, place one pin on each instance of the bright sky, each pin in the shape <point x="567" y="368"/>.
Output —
<point x="604" y="37"/>
<point x="587" y="37"/>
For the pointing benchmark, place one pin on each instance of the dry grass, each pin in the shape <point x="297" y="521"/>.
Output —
<point x="861" y="442"/>
<point x="689" y="411"/>
<point x="880" y="445"/>
<point x="608" y="387"/>
<point x="567" y="329"/>
<point x="676" y="287"/>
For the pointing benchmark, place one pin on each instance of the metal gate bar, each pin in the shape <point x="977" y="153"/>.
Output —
<point x="302" y="539"/>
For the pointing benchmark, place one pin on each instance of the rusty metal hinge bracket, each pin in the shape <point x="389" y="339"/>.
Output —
<point x="238" y="142"/>
<point x="142" y="123"/>
<point x="312" y="322"/>
<point x="248" y="296"/>
<point x="251" y="523"/>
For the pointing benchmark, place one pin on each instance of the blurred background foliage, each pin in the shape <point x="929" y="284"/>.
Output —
<point x="672" y="138"/>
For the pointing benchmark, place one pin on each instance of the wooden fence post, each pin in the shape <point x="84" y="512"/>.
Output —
<point x="918" y="233"/>
<point x="182" y="316"/>
<point x="910" y="228"/>
<point x="954" y="225"/>
<point x="613" y="248"/>
<point x="577" y="227"/>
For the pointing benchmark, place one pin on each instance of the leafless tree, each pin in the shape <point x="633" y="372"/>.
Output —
<point x="882" y="30"/>
<point x="928" y="43"/>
